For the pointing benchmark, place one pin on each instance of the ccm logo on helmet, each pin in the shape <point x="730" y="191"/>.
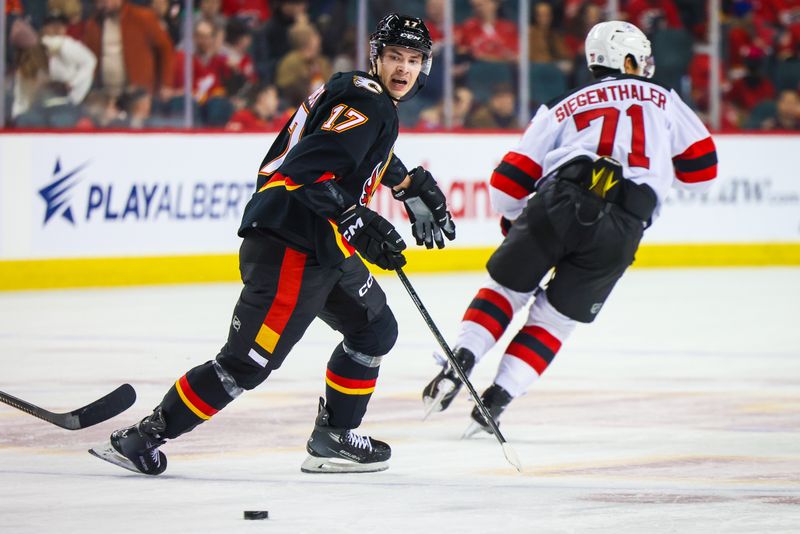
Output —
<point x="410" y="36"/>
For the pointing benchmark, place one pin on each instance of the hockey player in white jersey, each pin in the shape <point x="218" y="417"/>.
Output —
<point x="600" y="161"/>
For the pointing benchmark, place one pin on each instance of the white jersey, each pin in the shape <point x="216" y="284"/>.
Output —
<point x="647" y="128"/>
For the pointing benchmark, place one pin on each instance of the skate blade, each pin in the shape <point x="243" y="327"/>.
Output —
<point x="474" y="429"/>
<point x="109" y="454"/>
<point x="315" y="464"/>
<point x="435" y="404"/>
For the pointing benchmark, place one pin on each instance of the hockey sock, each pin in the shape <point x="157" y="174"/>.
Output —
<point x="525" y="359"/>
<point x="533" y="348"/>
<point x="195" y="397"/>
<point x="488" y="316"/>
<point x="349" y="382"/>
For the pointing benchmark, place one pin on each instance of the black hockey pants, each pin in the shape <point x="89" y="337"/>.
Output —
<point x="284" y="291"/>
<point x="588" y="240"/>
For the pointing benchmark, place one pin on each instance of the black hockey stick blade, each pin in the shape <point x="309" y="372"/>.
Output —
<point x="508" y="451"/>
<point x="95" y="412"/>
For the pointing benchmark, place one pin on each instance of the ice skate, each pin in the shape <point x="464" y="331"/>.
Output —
<point x="136" y="447"/>
<point x="496" y="399"/>
<point x="340" y="450"/>
<point x="441" y="391"/>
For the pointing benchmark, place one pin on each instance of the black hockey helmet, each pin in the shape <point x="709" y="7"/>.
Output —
<point x="407" y="32"/>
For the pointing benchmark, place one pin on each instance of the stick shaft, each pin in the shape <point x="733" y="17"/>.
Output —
<point x="450" y="356"/>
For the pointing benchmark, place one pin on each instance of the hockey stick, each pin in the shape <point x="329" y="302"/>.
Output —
<point x="508" y="451"/>
<point x="95" y="412"/>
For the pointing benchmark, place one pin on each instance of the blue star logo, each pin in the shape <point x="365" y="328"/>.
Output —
<point x="56" y="195"/>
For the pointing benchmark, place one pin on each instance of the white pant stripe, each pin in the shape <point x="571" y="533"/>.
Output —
<point x="260" y="360"/>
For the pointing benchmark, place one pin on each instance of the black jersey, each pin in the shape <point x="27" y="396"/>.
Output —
<point x="343" y="132"/>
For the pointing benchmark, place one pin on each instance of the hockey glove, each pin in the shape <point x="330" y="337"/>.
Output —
<point x="373" y="237"/>
<point x="423" y="226"/>
<point x="424" y="188"/>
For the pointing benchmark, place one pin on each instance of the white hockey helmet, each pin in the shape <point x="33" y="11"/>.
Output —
<point x="609" y="43"/>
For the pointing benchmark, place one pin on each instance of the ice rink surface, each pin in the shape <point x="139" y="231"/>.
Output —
<point x="678" y="410"/>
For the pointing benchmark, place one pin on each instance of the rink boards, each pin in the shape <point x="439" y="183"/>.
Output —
<point x="107" y="209"/>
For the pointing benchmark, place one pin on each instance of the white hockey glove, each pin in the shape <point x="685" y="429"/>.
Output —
<point x="427" y="209"/>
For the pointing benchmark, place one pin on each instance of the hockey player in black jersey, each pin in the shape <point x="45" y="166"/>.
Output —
<point x="301" y="230"/>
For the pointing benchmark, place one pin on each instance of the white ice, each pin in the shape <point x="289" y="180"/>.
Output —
<point x="678" y="410"/>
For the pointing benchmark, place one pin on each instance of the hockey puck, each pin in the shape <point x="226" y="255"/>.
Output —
<point x="257" y="514"/>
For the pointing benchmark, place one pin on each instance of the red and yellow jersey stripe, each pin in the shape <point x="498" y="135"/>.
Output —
<point x="289" y="283"/>
<point x="350" y="386"/>
<point x="193" y="401"/>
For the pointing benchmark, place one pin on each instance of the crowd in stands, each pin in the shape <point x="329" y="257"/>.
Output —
<point x="93" y="64"/>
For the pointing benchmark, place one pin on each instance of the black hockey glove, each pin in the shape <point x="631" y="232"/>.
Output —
<point x="429" y="218"/>
<point x="373" y="237"/>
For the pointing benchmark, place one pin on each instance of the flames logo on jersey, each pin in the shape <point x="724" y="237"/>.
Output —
<point x="368" y="84"/>
<point x="371" y="185"/>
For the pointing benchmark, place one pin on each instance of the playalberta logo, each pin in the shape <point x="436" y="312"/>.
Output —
<point x="58" y="193"/>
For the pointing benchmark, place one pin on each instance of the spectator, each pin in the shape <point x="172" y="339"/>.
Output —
<point x="73" y="10"/>
<point x="30" y="70"/>
<point x="694" y="17"/>
<point x="498" y="113"/>
<point x="241" y="71"/>
<point x="131" y="48"/>
<point x="434" y="20"/>
<point x="653" y="15"/>
<point x="169" y="16"/>
<point x="209" y="68"/>
<point x="434" y="13"/>
<point x="754" y="87"/>
<point x="99" y="110"/>
<point x="749" y="35"/>
<point x="272" y="42"/>
<point x="69" y="61"/>
<point x="254" y="12"/>
<point x="135" y="106"/>
<point x="304" y="68"/>
<point x="485" y="36"/>
<point x="211" y="11"/>
<point x="787" y="113"/>
<point x="700" y="76"/>
<point x="587" y="15"/>
<point x="432" y="118"/>
<point x="345" y="54"/>
<point x="332" y="20"/>
<point x="778" y="12"/>
<point x="573" y="7"/>
<point x="53" y="70"/>
<point x="14" y="7"/>
<point x="546" y="43"/>
<point x="262" y="112"/>
<point x="787" y="42"/>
